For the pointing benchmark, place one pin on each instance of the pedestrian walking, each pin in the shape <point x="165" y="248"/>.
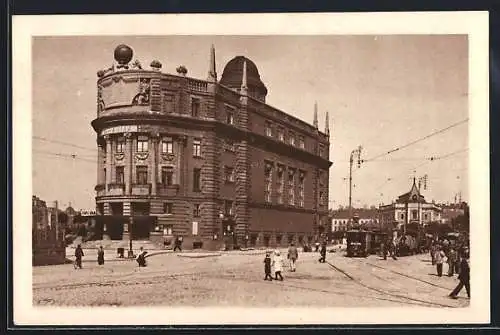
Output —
<point x="141" y="257"/>
<point x="100" y="256"/>
<point x="322" y="253"/>
<point x="383" y="250"/>
<point x="451" y="260"/>
<point x="293" y="255"/>
<point x="393" y="249"/>
<point x="178" y="243"/>
<point x="439" y="258"/>
<point x="78" y="256"/>
<point x="464" y="276"/>
<point x="278" y="265"/>
<point x="267" y="266"/>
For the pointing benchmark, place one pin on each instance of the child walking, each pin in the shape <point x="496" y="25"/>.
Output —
<point x="278" y="265"/>
<point x="267" y="266"/>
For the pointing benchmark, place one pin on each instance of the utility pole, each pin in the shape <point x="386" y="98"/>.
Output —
<point x="355" y="152"/>
<point x="57" y="221"/>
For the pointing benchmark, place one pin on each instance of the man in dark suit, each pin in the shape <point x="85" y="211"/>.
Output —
<point x="464" y="276"/>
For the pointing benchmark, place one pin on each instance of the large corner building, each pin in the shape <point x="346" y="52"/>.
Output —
<point x="208" y="160"/>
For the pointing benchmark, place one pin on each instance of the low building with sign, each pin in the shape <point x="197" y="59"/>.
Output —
<point x="207" y="160"/>
<point x="410" y="207"/>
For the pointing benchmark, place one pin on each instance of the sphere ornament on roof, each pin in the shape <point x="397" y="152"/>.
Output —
<point x="123" y="54"/>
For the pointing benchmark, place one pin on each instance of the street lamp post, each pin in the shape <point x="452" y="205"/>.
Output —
<point x="130" y="251"/>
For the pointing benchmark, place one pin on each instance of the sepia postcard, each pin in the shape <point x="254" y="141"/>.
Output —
<point x="251" y="169"/>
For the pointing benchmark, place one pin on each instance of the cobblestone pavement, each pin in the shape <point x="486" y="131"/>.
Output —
<point x="236" y="279"/>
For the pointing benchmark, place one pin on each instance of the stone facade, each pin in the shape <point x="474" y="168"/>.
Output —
<point x="192" y="155"/>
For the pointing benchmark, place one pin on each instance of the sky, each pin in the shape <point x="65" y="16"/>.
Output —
<point x="381" y="92"/>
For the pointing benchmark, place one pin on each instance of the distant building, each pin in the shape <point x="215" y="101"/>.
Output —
<point x="39" y="213"/>
<point x="48" y="246"/>
<point x="208" y="160"/>
<point x="367" y="217"/>
<point x="410" y="207"/>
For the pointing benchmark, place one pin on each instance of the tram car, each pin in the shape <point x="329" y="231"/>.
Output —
<point x="359" y="243"/>
<point x="376" y="243"/>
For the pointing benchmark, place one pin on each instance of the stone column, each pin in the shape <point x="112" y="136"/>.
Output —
<point x="128" y="163"/>
<point x="100" y="166"/>
<point x="108" y="160"/>
<point x="154" y="163"/>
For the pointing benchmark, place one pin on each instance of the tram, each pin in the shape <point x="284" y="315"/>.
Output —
<point x="359" y="243"/>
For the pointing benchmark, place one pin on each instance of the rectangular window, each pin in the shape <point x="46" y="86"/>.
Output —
<point x="291" y="187"/>
<point x="105" y="176"/>
<point x="281" y="184"/>
<point x="197" y="180"/>
<point x="321" y="150"/>
<point x="196" y="210"/>
<point x="167" y="175"/>
<point x="168" y="208"/>
<point x="120" y="175"/>
<point x="402" y="216"/>
<point x="321" y="178"/>
<point x="195" y="228"/>
<point x="414" y="215"/>
<point x="120" y="145"/>
<point x="167" y="146"/>
<point x="195" y="107"/>
<point x="168" y="230"/>
<point x="229" y="115"/>
<point x="142" y="175"/>
<point x="228" y="174"/>
<point x="302" y="144"/>
<point x="302" y="178"/>
<point x="228" y="208"/>
<point x="197" y="148"/>
<point x="281" y="134"/>
<point x="291" y="138"/>
<point x="268" y="176"/>
<point x="168" y="103"/>
<point x="269" y="129"/>
<point x="142" y="144"/>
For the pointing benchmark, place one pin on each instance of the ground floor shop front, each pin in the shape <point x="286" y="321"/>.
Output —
<point x="222" y="235"/>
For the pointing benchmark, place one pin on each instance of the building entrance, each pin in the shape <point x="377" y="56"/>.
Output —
<point x="228" y="233"/>
<point x="141" y="227"/>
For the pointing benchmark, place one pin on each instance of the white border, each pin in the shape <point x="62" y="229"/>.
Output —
<point x="475" y="24"/>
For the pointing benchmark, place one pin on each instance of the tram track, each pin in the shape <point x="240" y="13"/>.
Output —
<point x="409" y="276"/>
<point x="383" y="292"/>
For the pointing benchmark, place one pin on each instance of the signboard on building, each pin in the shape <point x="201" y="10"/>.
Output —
<point x="120" y="129"/>
<point x="88" y="212"/>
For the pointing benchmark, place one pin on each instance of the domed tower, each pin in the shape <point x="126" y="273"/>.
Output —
<point x="232" y="77"/>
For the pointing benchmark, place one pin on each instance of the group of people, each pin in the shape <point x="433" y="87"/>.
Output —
<point x="457" y="258"/>
<point x="141" y="257"/>
<point x="389" y="247"/>
<point x="276" y="263"/>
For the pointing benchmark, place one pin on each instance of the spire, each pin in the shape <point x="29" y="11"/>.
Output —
<point x="327" y="124"/>
<point x="212" y="74"/>
<point x="315" y="121"/>
<point x="244" y="86"/>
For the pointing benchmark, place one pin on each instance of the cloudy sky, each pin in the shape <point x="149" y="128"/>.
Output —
<point x="382" y="92"/>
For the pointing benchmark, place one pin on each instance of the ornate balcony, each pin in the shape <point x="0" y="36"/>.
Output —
<point x="141" y="189"/>
<point x="116" y="189"/>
